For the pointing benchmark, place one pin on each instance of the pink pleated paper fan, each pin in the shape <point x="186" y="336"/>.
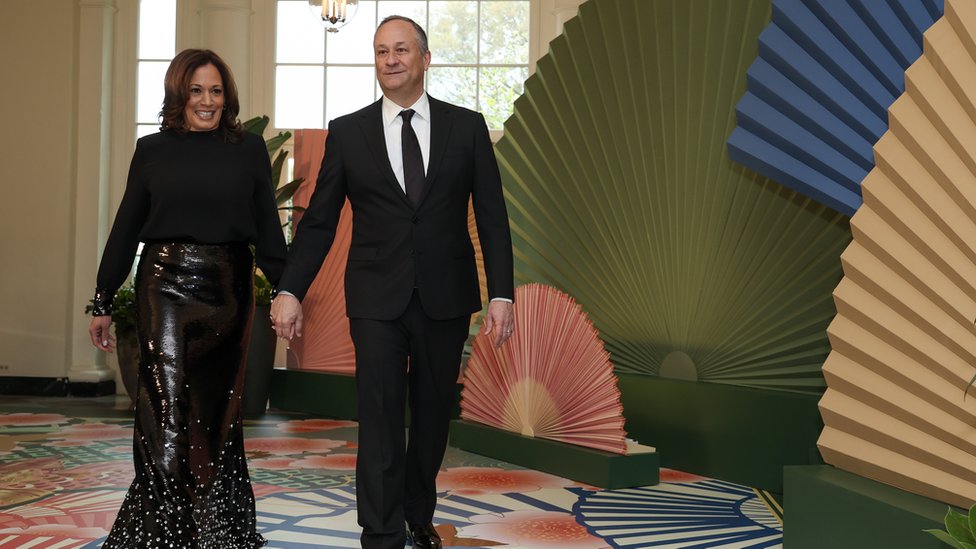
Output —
<point x="552" y="379"/>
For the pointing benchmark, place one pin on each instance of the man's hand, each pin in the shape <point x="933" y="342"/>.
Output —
<point x="500" y="319"/>
<point x="101" y="336"/>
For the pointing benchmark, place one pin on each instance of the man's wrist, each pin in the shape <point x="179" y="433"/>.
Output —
<point x="505" y="299"/>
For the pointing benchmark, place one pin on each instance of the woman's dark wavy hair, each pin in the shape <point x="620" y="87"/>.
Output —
<point x="177" y="88"/>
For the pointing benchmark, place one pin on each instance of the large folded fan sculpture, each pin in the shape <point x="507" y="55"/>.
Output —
<point x="903" y="340"/>
<point x="621" y="193"/>
<point x="553" y="379"/>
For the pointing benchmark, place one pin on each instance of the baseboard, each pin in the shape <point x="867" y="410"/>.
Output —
<point x="827" y="507"/>
<point x="91" y="389"/>
<point x="34" y="386"/>
<point x="598" y="468"/>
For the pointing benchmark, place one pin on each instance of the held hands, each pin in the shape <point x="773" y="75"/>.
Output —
<point x="500" y="320"/>
<point x="101" y="336"/>
<point x="286" y="316"/>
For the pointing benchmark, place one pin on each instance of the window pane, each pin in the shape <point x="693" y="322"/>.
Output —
<point x="300" y="37"/>
<point x="500" y="86"/>
<point x="348" y="89"/>
<point x="453" y="32"/>
<point x="298" y="97"/>
<point x="456" y="85"/>
<point x="149" y="91"/>
<point x="143" y="130"/>
<point x="505" y="32"/>
<point x="157" y="29"/>
<point x="354" y="42"/>
<point x="414" y="9"/>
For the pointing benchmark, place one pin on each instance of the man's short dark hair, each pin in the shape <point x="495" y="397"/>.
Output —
<point x="421" y="34"/>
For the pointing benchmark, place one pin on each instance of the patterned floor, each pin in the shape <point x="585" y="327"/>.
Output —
<point x="65" y="464"/>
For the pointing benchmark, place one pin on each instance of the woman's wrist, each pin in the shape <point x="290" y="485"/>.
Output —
<point x="102" y="302"/>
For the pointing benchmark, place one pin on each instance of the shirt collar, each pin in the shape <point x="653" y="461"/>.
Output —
<point x="391" y="110"/>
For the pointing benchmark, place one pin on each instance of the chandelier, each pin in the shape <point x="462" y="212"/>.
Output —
<point x="333" y="14"/>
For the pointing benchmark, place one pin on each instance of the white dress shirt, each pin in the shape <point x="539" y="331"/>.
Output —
<point x="392" y="126"/>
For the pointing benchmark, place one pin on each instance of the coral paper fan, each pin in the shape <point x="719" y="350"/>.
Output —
<point x="552" y="379"/>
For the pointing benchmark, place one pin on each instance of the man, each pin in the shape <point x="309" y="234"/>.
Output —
<point x="408" y="165"/>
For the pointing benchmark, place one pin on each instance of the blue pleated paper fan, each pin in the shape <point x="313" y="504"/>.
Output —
<point x="817" y="97"/>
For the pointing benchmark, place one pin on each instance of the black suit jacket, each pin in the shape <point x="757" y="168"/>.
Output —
<point x="394" y="246"/>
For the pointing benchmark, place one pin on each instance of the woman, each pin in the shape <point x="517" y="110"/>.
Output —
<point x="198" y="193"/>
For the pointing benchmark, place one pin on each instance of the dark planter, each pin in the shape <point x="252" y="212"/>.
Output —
<point x="127" y="347"/>
<point x="259" y="365"/>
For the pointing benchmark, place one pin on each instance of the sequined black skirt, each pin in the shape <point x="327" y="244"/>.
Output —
<point x="191" y="490"/>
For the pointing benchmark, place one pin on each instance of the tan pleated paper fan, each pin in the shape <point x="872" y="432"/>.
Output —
<point x="903" y="343"/>
<point x="552" y="379"/>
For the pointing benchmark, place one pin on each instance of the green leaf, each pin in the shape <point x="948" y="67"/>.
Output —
<point x="291" y="208"/>
<point x="276" y="166"/>
<point x="945" y="538"/>
<point x="972" y="518"/>
<point x="262" y="289"/>
<point x="285" y="193"/>
<point x="276" y="142"/>
<point x="957" y="524"/>
<point x="256" y="125"/>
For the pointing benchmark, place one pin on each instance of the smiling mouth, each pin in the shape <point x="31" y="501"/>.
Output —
<point x="205" y="115"/>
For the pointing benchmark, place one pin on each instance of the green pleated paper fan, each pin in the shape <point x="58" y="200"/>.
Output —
<point x="621" y="193"/>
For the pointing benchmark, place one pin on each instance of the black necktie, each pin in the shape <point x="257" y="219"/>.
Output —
<point x="413" y="160"/>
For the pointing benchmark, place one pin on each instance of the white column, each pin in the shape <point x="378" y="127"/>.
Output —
<point x="91" y="199"/>
<point x="225" y="27"/>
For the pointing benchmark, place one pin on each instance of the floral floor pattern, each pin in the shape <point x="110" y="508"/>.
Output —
<point x="65" y="465"/>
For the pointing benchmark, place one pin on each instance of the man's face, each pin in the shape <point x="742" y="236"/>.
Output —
<point x="399" y="64"/>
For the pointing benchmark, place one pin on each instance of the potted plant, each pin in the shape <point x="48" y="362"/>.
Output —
<point x="261" y="349"/>
<point x="126" y="342"/>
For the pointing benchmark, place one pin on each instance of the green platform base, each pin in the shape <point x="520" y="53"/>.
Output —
<point x="827" y="507"/>
<point x="321" y="394"/>
<point x="731" y="433"/>
<point x="603" y="469"/>
<point x="318" y="393"/>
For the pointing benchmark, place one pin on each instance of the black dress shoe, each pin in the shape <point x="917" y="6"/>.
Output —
<point x="423" y="537"/>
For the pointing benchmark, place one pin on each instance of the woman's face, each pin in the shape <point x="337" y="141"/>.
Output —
<point x="206" y="99"/>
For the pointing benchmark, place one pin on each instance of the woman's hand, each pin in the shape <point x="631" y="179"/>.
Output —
<point x="100" y="334"/>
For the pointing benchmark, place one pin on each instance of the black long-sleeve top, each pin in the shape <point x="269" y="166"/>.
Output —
<point x="195" y="187"/>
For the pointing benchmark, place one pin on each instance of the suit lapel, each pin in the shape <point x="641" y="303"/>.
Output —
<point x="440" y="133"/>
<point x="371" y="122"/>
